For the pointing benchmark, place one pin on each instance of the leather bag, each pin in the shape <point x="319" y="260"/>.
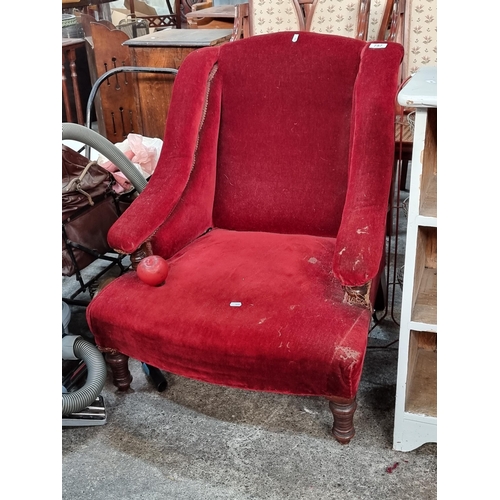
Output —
<point x="89" y="208"/>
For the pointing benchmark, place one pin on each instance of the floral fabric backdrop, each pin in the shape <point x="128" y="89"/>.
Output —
<point x="377" y="9"/>
<point x="421" y="35"/>
<point x="270" y="16"/>
<point x="336" y="17"/>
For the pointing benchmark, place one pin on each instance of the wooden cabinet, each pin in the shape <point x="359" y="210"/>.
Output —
<point x="164" y="49"/>
<point x="114" y="104"/>
<point x="73" y="52"/>
<point x="211" y="17"/>
<point x="416" y="393"/>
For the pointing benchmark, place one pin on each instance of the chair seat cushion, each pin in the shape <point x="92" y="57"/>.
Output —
<point x="253" y="310"/>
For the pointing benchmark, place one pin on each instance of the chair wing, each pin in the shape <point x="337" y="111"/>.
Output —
<point x="271" y="193"/>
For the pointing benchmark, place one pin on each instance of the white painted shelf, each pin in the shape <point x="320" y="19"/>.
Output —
<point x="415" y="420"/>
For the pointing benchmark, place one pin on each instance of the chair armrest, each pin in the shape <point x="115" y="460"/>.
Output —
<point x="156" y="204"/>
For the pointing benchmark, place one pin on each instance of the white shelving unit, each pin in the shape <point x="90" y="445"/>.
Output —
<point x="416" y="393"/>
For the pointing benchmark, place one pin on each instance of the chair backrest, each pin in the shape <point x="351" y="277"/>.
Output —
<point x="383" y="20"/>
<point x="281" y="114"/>
<point x="363" y="19"/>
<point x="335" y="17"/>
<point x="273" y="16"/>
<point x="339" y="17"/>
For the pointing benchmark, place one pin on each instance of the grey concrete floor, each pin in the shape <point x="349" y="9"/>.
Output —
<point x="197" y="441"/>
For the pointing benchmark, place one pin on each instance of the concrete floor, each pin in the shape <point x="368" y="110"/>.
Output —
<point x="197" y="441"/>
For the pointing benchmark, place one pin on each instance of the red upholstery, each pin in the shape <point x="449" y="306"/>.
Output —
<point x="280" y="339"/>
<point x="283" y="150"/>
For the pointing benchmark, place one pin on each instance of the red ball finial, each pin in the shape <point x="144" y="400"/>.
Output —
<point x="153" y="270"/>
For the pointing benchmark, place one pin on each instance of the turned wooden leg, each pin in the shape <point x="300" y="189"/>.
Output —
<point x="119" y="367"/>
<point x="343" y="418"/>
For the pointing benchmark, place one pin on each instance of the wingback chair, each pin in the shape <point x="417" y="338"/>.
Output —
<point x="269" y="204"/>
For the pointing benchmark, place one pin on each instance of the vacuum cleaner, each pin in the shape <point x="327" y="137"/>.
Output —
<point x="82" y="404"/>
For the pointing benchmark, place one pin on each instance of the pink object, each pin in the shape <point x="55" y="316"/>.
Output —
<point x="391" y="468"/>
<point x="143" y="152"/>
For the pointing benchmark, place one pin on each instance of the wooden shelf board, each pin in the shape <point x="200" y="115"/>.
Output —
<point x="425" y="221"/>
<point x="423" y="327"/>
<point x="422" y="388"/>
<point x="425" y="309"/>
<point x="429" y="199"/>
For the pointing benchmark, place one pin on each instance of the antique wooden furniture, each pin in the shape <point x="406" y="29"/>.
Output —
<point x="273" y="227"/>
<point x="166" y="49"/>
<point x="116" y="107"/>
<point x="72" y="101"/>
<point x="205" y="16"/>
<point x="264" y="16"/>
<point x="416" y="393"/>
<point x="384" y="20"/>
<point x="361" y="19"/>
<point x="155" y="20"/>
<point x="339" y="17"/>
<point x="186" y="7"/>
<point x="97" y="8"/>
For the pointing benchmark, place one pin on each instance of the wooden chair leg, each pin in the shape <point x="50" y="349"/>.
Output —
<point x="119" y="368"/>
<point x="343" y="418"/>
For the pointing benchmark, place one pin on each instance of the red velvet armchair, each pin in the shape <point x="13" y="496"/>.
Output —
<point x="269" y="202"/>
